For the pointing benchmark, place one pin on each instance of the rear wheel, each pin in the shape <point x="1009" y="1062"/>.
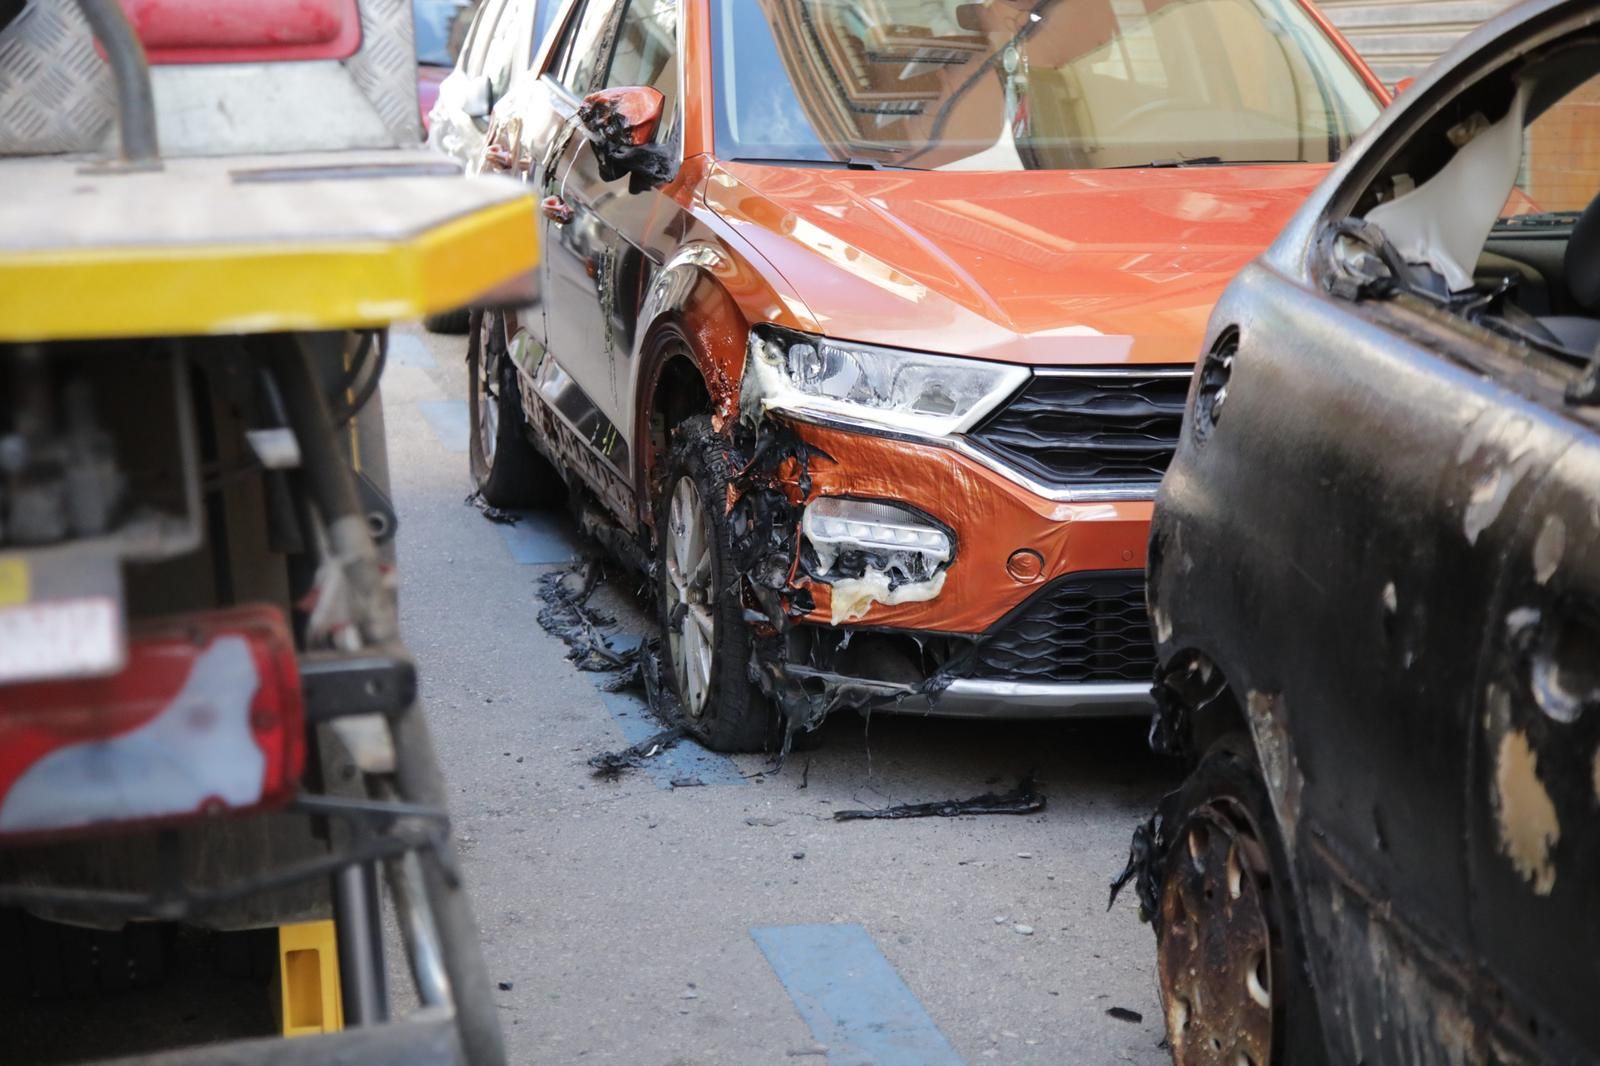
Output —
<point x="1231" y="957"/>
<point x="702" y="612"/>
<point x="507" y="469"/>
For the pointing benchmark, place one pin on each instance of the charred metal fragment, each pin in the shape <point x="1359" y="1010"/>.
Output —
<point x="1024" y="799"/>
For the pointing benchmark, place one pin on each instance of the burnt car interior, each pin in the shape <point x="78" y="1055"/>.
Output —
<point x="1446" y="221"/>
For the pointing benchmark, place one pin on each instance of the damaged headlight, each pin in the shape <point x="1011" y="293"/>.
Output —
<point x="891" y="537"/>
<point x="934" y="395"/>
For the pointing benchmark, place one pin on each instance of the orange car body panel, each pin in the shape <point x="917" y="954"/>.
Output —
<point x="982" y="264"/>
<point x="991" y="518"/>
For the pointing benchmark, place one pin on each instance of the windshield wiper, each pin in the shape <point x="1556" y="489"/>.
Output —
<point x="831" y="164"/>
<point x="1200" y="161"/>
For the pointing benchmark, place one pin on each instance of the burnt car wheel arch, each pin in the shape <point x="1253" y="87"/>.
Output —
<point x="675" y="384"/>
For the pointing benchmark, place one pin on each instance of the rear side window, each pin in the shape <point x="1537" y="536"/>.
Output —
<point x="577" y="61"/>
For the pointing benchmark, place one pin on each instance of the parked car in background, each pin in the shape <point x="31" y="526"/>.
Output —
<point x="441" y="29"/>
<point x="1374" y="574"/>
<point x="867" y="328"/>
<point x="489" y="46"/>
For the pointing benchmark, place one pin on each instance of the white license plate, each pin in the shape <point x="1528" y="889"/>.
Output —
<point x="58" y="639"/>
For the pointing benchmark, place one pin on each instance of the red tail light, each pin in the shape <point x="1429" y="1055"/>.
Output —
<point x="206" y="718"/>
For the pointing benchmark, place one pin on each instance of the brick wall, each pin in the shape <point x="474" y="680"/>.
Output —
<point x="1563" y="155"/>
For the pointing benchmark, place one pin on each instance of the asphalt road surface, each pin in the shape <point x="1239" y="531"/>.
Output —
<point x="706" y="910"/>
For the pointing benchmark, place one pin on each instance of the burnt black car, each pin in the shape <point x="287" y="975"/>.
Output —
<point x="1374" y="579"/>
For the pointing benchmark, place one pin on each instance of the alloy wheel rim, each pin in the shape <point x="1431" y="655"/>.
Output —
<point x="691" y="626"/>
<point x="488" y="405"/>
<point x="1215" y="950"/>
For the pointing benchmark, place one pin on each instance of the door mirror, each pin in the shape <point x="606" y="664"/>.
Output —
<point x="620" y="125"/>
<point x="475" y="96"/>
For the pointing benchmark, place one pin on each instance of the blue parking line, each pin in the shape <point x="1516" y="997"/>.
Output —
<point x="851" y="998"/>
<point x="448" y="418"/>
<point x="406" y="349"/>
<point x="539" y="539"/>
<point x="685" y="763"/>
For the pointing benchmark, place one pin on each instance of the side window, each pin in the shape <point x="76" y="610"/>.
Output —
<point x="507" y="54"/>
<point x="646" y="48"/>
<point x="1561" y="154"/>
<point x="548" y="10"/>
<point x="578" y="60"/>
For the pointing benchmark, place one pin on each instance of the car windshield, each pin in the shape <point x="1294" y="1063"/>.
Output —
<point x="1032" y="84"/>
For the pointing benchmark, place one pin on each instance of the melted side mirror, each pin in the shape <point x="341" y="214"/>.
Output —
<point x="620" y="125"/>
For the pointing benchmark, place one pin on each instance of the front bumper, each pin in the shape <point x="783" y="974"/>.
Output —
<point x="1068" y="639"/>
<point x="991" y="516"/>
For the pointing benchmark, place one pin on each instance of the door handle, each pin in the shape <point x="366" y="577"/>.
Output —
<point x="556" y="210"/>
<point x="497" y="157"/>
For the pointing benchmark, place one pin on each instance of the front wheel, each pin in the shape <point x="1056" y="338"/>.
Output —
<point x="506" y="468"/>
<point x="1231" y="957"/>
<point x="702" y="612"/>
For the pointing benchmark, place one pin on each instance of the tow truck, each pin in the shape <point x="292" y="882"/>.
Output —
<point x="210" y="213"/>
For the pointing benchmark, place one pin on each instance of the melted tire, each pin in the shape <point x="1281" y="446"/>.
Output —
<point x="737" y="716"/>
<point x="517" y="475"/>
<point x="1227" y="779"/>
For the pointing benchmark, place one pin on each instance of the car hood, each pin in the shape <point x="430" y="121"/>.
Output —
<point x="1037" y="267"/>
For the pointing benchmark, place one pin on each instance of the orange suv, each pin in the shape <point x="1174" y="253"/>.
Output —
<point x="867" y="326"/>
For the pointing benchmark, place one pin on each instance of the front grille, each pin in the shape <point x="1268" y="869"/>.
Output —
<point x="1081" y="628"/>
<point x="1087" y="428"/>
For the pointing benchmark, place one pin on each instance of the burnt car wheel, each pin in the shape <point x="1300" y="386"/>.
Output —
<point x="451" y="322"/>
<point x="1230" y="955"/>
<point x="701" y="611"/>
<point x="507" y="469"/>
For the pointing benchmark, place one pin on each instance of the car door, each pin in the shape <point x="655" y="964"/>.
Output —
<point x="1414" y="506"/>
<point x="596" y="265"/>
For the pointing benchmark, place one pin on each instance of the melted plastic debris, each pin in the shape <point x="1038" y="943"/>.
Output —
<point x="1143" y="870"/>
<point x="1024" y="799"/>
<point x="607" y="115"/>
<point x="497" y="515"/>
<point x="567" y="615"/>
<point x="853" y="597"/>
<point x="610" y="764"/>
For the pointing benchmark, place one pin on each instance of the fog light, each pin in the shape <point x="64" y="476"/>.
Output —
<point x="897" y="537"/>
